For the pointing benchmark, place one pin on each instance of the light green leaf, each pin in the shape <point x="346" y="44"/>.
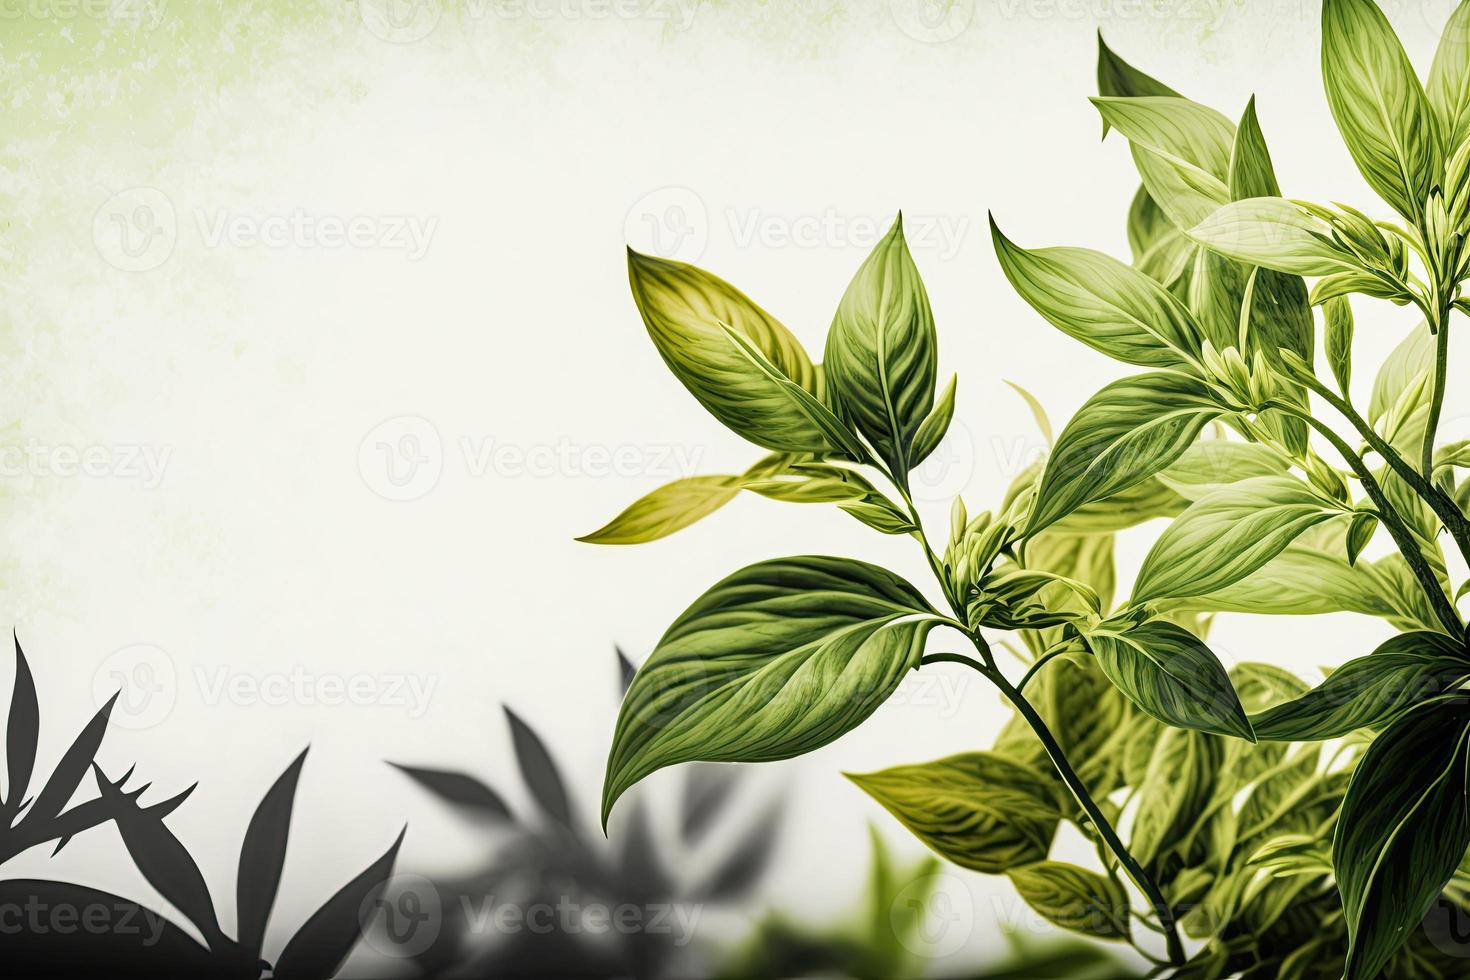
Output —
<point x="1181" y="149"/>
<point x="932" y="430"/>
<point x="882" y="353"/>
<point x="1101" y="302"/>
<point x="1074" y="898"/>
<point x="672" y="507"/>
<point x="1380" y="107"/>
<point x="1212" y="464"/>
<point x="1403" y="829"/>
<point x="778" y="659"/>
<point x="1172" y="675"/>
<point x="812" y="483"/>
<point x="688" y="312"/>
<point x="1370" y="691"/>
<point x="1251" y="171"/>
<point x="1273" y="233"/>
<point x="1337" y="313"/>
<point x="1449" y="80"/>
<point x="981" y="810"/>
<point x="1120" y="437"/>
<point x="880" y="516"/>
<point x="1228" y="534"/>
<point x="1037" y="412"/>
<point x="1398" y="406"/>
<point x="1160" y="249"/>
<point x="1176" y="789"/>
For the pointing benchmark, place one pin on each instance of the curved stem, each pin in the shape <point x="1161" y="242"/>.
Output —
<point x="953" y="658"/>
<point x="1042" y="661"/>
<point x="1135" y="871"/>
<point x="1402" y="536"/>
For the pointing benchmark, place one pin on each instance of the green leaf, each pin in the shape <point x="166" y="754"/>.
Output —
<point x="1449" y="80"/>
<point x="778" y="659"/>
<point x="1181" y="149"/>
<point x="1399" y="404"/>
<point x="880" y="517"/>
<point x="1074" y="898"/>
<point x="1212" y="464"/>
<point x="1160" y="249"/>
<point x="932" y="430"/>
<point x="1403" y="829"/>
<point x="1172" y="675"/>
<point x="1117" y="77"/>
<point x="1251" y="171"/>
<point x="1370" y="691"/>
<point x="1380" y="107"/>
<point x="1120" y="437"/>
<point x="1037" y="412"/>
<point x="1227" y="535"/>
<point x="1273" y="233"/>
<point x="981" y="810"/>
<point x="672" y="507"/>
<point x="882" y="353"/>
<point x="688" y="313"/>
<point x="1101" y="302"/>
<point x="1176" y="789"/>
<point x="1337" y="314"/>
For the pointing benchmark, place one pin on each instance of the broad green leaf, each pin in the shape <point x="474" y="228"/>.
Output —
<point x="932" y="430"/>
<point x="1399" y="399"/>
<point x="1228" y="534"/>
<point x="981" y="810"/>
<point x="1127" y="508"/>
<point x="1172" y="675"/>
<point x="1449" y="80"/>
<point x="1212" y="464"/>
<point x="1074" y="898"/>
<point x="881" y="355"/>
<point x="1380" y="106"/>
<point x="1161" y="250"/>
<point x="1120" y="437"/>
<point x="1273" y="233"/>
<point x="1175" y="790"/>
<point x="1086" y="558"/>
<point x="688" y="312"/>
<point x="1251" y="171"/>
<point x="1080" y="706"/>
<point x="813" y="483"/>
<point x="835" y="433"/>
<point x="778" y="659"/>
<point x="1370" y="691"/>
<point x="1181" y="149"/>
<point x="880" y="516"/>
<point x="1101" y="302"/>
<point x="1403" y="830"/>
<point x="1337" y="336"/>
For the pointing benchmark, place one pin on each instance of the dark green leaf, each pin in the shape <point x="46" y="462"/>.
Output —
<point x="777" y="660"/>
<point x="882" y="353"/>
<point x="1172" y="675"/>
<point x="540" y="772"/>
<point x="459" y="790"/>
<point x="932" y="430"/>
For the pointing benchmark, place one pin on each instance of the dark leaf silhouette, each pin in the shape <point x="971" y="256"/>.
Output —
<point x="539" y="771"/>
<point x="73" y="765"/>
<point x="164" y="862"/>
<point x="461" y="790"/>
<point x="642" y="870"/>
<point x="73" y="931"/>
<point x="320" y="946"/>
<point x="706" y="788"/>
<point x="262" y="856"/>
<point x="21" y="734"/>
<point x="626" y="670"/>
<point x="748" y="860"/>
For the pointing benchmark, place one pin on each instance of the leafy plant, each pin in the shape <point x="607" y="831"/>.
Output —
<point x="1222" y="435"/>
<point x="549" y="857"/>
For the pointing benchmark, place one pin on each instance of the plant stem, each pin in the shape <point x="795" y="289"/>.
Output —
<point x="1079" y="790"/>
<point x="1436" y="402"/>
<point x="1042" y="661"/>
<point x="1400" y="533"/>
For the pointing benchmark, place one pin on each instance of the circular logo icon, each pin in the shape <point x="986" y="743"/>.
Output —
<point x="946" y="471"/>
<point x="671" y="222"/>
<point x="933" y="916"/>
<point x="135" y="230"/>
<point x="932" y="21"/>
<point x="403" y="918"/>
<point x="145" y="682"/>
<point x="402" y="458"/>
<point x="400" y="21"/>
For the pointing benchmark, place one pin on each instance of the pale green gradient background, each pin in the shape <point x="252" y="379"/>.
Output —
<point x="534" y="143"/>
